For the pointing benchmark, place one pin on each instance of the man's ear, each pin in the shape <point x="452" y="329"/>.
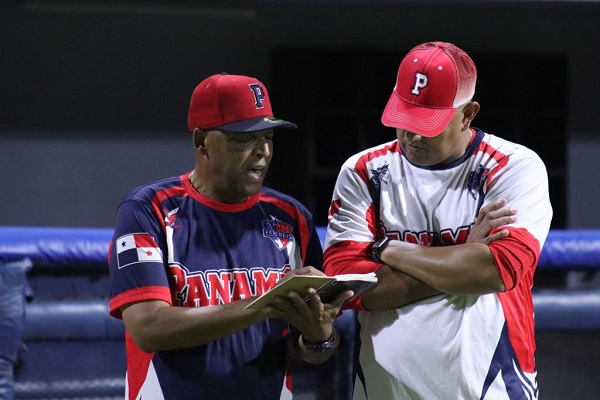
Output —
<point x="198" y="137"/>
<point x="469" y="113"/>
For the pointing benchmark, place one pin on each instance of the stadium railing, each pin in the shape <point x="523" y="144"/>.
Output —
<point x="57" y="278"/>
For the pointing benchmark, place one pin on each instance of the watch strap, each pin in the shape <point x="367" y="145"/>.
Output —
<point x="321" y="347"/>
<point x="378" y="247"/>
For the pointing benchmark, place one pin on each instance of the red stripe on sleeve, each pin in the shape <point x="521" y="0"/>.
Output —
<point x="349" y="257"/>
<point x="136" y="295"/>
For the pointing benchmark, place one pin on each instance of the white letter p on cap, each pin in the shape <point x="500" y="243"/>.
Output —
<point x="421" y="81"/>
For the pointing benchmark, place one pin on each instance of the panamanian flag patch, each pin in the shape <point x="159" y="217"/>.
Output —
<point x="137" y="248"/>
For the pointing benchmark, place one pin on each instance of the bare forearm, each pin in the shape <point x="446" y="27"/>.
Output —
<point x="395" y="289"/>
<point x="157" y="326"/>
<point x="466" y="269"/>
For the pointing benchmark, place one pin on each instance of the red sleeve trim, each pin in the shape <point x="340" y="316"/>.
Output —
<point x="515" y="255"/>
<point x="136" y="295"/>
<point x="349" y="257"/>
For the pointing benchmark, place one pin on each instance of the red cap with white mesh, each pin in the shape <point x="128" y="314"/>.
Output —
<point x="434" y="80"/>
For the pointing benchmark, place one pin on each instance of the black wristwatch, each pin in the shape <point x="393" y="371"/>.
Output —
<point x="377" y="248"/>
<point x="321" y="347"/>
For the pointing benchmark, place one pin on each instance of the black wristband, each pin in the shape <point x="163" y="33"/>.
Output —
<point x="377" y="248"/>
<point x="321" y="347"/>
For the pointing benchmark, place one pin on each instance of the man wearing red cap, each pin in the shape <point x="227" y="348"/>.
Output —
<point x="451" y="316"/>
<point x="189" y="253"/>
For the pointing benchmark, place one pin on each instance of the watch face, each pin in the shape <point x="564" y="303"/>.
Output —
<point x="378" y="248"/>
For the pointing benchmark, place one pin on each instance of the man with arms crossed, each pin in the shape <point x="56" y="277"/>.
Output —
<point x="451" y="317"/>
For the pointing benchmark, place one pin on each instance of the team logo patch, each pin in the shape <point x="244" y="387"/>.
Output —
<point x="171" y="218"/>
<point x="259" y="94"/>
<point x="421" y="82"/>
<point x="279" y="232"/>
<point x="477" y="179"/>
<point x="380" y="173"/>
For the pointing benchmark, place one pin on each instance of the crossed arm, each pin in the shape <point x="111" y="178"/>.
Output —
<point x="412" y="272"/>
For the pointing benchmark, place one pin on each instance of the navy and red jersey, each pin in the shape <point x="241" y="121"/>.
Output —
<point x="173" y="244"/>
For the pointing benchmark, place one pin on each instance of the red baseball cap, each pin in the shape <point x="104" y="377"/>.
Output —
<point x="434" y="80"/>
<point x="232" y="103"/>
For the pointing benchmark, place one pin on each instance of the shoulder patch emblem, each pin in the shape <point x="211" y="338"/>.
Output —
<point x="477" y="179"/>
<point x="380" y="173"/>
<point x="280" y="233"/>
<point x="171" y="218"/>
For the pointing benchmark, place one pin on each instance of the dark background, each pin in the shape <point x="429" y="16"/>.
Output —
<point x="94" y="98"/>
<point x="94" y="94"/>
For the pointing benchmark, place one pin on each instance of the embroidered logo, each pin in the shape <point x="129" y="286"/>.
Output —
<point x="476" y="180"/>
<point x="171" y="218"/>
<point x="259" y="94"/>
<point x="279" y="232"/>
<point x="421" y="82"/>
<point x="380" y="173"/>
<point x="272" y="120"/>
